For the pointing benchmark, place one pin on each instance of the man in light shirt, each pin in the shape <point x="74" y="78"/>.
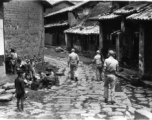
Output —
<point x="73" y="61"/>
<point x="99" y="65"/>
<point x="109" y="71"/>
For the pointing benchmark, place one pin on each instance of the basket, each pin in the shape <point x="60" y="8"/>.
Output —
<point x="135" y="80"/>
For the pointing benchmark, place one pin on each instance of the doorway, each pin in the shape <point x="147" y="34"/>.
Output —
<point x="1" y="43"/>
<point x="2" y="53"/>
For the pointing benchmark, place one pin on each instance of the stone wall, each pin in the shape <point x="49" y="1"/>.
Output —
<point x="24" y="27"/>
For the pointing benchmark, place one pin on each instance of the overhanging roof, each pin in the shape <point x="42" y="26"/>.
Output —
<point x="56" y="24"/>
<point x="131" y="8"/>
<point x="83" y="30"/>
<point x="71" y="8"/>
<point x="58" y="2"/>
<point x="105" y="17"/>
<point x="145" y="15"/>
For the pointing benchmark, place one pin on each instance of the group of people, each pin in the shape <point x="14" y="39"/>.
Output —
<point x="13" y="63"/>
<point x="27" y="77"/>
<point x="43" y="81"/>
<point x="10" y="61"/>
<point x="105" y="70"/>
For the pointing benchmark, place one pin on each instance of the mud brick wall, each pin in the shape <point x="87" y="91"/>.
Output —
<point x="24" y="28"/>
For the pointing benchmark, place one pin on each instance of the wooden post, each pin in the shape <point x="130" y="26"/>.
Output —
<point x="141" y="50"/>
<point x="123" y="24"/>
<point x="118" y="46"/>
<point x="100" y="36"/>
<point x="66" y="39"/>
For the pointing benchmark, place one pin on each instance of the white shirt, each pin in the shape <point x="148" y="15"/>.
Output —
<point x="14" y="55"/>
<point x="110" y="64"/>
<point x="73" y="57"/>
<point x="97" y="59"/>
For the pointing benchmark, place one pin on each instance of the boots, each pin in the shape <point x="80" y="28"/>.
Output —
<point x="106" y="100"/>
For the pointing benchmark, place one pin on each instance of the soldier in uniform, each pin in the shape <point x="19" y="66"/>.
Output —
<point x="73" y="61"/>
<point x="99" y="65"/>
<point x="109" y="72"/>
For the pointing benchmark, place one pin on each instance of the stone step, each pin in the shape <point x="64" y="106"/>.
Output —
<point x="143" y="115"/>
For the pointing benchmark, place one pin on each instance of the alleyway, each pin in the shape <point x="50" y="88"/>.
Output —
<point x="71" y="100"/>
<point x="79" y="100"/>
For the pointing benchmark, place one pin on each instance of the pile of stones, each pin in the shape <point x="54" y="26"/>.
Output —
<point x="7" y="92"/>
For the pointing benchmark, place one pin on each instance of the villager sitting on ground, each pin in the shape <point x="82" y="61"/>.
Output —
<point x="42" y="75"/>
<point x="73" y="61"/>
<point x="42" y="79"/>
<point x="20" y="89"/>
<point x="50" y="78"/>
<point x="35" y="84"/>
<point x="27" y="80"/>
<point x="99" y="65"/>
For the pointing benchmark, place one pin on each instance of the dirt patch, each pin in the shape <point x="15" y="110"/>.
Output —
<point x="37" y="96"/>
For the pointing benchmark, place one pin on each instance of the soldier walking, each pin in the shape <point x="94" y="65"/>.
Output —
<point x="109" y="71"/>
<point x="99" y="65"/>
<point x="73" y="61"/>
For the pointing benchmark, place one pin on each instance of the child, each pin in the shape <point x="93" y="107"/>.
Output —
<point x="20" y="89"/>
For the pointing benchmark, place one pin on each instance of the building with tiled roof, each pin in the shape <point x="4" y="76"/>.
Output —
<point x="57" y="22"/>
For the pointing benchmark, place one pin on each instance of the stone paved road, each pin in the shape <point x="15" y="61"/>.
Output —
<point x="73" y="100"/>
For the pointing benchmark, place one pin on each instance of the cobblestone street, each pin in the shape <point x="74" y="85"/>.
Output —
<point x="72" y="100"/>
<point x="43" y="41"/>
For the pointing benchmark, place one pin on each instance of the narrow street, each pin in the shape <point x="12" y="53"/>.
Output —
<point x="72" y="100"/>
<point x="36" y="36"/>
<point x="82" y="99"/>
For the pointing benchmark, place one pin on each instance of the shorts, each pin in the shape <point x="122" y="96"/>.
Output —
<point x="19" y="96"/>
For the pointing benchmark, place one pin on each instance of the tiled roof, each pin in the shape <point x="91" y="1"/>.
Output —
<point x="143" y="15"/>
<point x="83" y="30"/>
<point x="71" y="8"/>
<point x="60" y="1"/>
<point x="131" y="8"/>
<point x="56" y="24"/>
<point x="100" y="8"/>
<point x="105" y="17"/>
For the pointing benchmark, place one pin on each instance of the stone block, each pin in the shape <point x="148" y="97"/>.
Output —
<point x="8" y="86"/>
<point x="131" y="110"/>
<point x="107" y="109"/>
<point x="6" y="97"/>
<point x="2" y="91"/>
<point x="10" y="91"/>
<point x="143" y="115"/>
